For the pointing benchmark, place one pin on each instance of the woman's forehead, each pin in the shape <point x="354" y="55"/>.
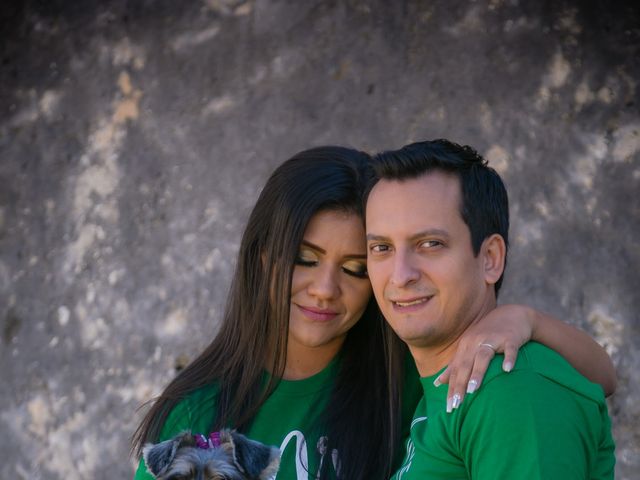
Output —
<point x="336" y="229"/>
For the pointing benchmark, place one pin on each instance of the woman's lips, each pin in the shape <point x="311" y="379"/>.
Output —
<point x="317" y="314"/>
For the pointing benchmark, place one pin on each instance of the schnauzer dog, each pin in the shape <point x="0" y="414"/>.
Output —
<point x="224" y="455"/>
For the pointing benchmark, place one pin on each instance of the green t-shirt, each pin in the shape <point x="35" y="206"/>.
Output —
<point x="285" y="420"/>
<point x="541" y="421"/>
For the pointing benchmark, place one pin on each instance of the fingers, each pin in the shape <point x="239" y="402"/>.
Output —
<point x="443" y="377"/>
<point x="465" y="373"/>
<point x="510" y="357"/>
<point x="485" y="353"/>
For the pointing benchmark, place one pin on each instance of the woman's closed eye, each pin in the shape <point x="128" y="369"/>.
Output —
<point x="306" y="258"/>
<point x="355" y="268"/>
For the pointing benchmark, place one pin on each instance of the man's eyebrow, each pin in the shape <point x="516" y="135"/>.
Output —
<point x="324" y="252"/>
<point x="379" y="238"/>
<point x="425" y="233"/>
<point x="431" y="232"/>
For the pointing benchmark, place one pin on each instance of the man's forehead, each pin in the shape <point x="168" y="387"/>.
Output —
<point x="425" y="202"/>
<point x="428" y="186"/>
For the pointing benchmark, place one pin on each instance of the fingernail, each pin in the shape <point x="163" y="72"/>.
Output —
<point x="471" y="386"/>
<point x="436" y="382"/>
<point x="449" y="405"/>
<point x="507" y="367"/>
<point x="456" y="401"/>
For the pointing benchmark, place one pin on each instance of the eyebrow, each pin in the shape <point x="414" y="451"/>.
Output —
<point x="425" y="233"/>
<point x="324" y="252"/>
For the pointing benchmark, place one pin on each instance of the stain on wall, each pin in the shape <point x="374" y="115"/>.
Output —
<point x="135" y="137"/>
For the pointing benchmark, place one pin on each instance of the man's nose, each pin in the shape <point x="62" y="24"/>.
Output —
<point x="404" y="273"/>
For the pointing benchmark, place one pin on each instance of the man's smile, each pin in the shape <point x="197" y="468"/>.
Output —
<point x="410" y="304"/>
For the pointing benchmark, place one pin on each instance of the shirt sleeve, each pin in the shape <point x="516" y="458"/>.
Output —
<point x="522" y="425"/>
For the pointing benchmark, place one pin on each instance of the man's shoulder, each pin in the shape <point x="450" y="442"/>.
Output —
<point x="538" y="369"/>
<point x="544" y="411"/>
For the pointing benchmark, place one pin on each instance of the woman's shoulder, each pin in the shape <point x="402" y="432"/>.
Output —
<point x="195" y="412"/>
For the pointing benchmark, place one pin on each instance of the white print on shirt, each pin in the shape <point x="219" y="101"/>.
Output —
<point x="322" y="447"/>
<point x="301" y="457"/>
<point x="411" y="451"/>
<point x="301" y="447"/>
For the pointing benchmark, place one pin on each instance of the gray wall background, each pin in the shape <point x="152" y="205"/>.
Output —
<point x="135" y="137"/>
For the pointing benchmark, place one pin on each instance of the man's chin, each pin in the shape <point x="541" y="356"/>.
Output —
<point x="419" y="339"/>
<point x="412" y="329"/>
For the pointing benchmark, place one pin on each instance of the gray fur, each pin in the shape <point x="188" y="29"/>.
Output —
<point x="237" y="458"/>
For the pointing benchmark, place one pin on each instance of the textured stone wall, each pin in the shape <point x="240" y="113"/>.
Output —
<point x="135" y="136"/>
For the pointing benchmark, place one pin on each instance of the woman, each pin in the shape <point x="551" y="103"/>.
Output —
<point x="301" y="358"/>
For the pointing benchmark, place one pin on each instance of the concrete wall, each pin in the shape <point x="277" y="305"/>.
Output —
<point x="135" y="136"/>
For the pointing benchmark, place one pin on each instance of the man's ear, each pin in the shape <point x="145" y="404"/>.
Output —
<point x="494" y="253"/>
<point x="257" y="460"/>
<point x="158" y="457"/>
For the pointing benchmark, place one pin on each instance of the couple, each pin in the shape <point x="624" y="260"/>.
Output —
<point x="304" y="359"/>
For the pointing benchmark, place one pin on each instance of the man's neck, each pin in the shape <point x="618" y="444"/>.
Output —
<point x="433" y="358"/>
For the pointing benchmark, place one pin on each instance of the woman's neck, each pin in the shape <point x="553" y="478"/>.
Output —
<point x="304" y="362"/>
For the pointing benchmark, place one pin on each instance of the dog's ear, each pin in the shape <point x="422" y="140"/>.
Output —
<point x="257" y="460"/>
<point x="158" y="457"/>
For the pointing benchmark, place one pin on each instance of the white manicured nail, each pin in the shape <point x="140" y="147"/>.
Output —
<point x="471" y="386"/>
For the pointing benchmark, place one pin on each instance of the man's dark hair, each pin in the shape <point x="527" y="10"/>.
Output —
<point x="485" y="205"/>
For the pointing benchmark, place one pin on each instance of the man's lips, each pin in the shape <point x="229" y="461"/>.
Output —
<point x="318" y="314"/>
<point x="412" y="304"/>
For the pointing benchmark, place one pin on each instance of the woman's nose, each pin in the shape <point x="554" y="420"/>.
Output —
<point x="324" y="284"/>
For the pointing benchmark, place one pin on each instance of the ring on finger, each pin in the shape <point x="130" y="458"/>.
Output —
<point x="488" y="345"/>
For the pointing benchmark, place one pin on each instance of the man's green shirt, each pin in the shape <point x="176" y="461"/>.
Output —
<point x="541" y="421"/>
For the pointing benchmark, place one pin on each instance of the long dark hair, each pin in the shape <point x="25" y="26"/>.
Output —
<point x="361" y="418"/>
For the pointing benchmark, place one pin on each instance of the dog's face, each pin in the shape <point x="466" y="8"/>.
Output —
<point x="236" y="458"/>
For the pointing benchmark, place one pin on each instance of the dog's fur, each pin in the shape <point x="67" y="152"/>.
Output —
<point x="237" y="458"/>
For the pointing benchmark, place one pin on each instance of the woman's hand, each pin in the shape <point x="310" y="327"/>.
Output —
<point x="503" y="330"/>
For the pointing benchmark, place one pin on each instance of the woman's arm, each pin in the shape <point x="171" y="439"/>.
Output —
<point x="508" y="327"/>
<point x="577" y="347"/>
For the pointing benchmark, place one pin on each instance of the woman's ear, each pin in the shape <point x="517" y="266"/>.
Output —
<point x="494" y="253"/>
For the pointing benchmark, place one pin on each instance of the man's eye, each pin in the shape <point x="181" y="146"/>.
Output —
<point x="306" y="258"/>
<point x="355" y="269"/>
<point x="379" y="248"/>
<point x="431" y="244"/>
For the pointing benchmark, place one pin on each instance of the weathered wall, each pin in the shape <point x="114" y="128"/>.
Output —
<point x="135" y="136"/>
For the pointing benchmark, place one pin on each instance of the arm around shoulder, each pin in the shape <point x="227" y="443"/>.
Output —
<point x="577" y="347"/>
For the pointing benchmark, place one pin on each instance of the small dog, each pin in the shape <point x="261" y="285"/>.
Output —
<point x="224" y="455"/>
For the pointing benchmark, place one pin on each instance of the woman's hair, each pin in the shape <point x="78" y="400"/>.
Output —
<point x="361" y="417"/>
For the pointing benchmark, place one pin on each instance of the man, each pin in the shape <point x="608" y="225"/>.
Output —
<point x="437" y="234"/>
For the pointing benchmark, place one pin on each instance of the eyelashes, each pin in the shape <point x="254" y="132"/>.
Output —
<point x="352" y="268"/>
<point x="305" y="263"/>
<point x="355" y="269"/>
